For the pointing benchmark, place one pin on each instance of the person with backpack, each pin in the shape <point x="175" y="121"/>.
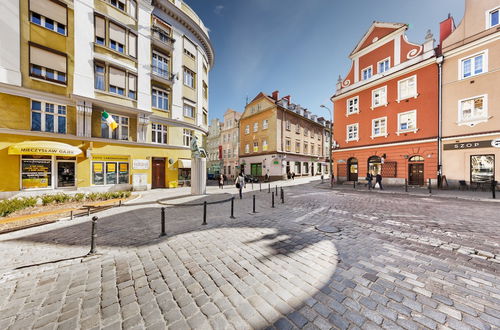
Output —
<point x="240" y="184"/>
<point x="369" y="179"/>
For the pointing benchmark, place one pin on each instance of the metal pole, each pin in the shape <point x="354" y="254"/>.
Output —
<point x="272" y="199"/>
<point x="430" y="188"/>
<point x="406" y="185"/>
<point x="276" y="191"/>
<point x="93" y="236"/>
<point x="260" y="186"/>
<point x="163" y="233"/>
<point x="331" y="151"/>
<point x="254" y="204"/>
<point x="204" y="213"/>
<point x="88" y="211"/>
<point x="282" y="196"/>
<point x="71" y="215"/>
<point x="354" y="184"/>
<point x="493" y="188"/>
<point x="252" y="186"/>
<point x="232" y="208"/>
<point x="120" y="202"/>
<point x="268" y="188"/>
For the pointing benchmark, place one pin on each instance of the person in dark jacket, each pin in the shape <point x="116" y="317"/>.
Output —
<point x="369" y="178"/>
<point x="378" y="179"/>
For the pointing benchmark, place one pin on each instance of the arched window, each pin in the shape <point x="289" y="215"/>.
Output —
<point x="374" y="165"/>
<point x="416" y="159"/>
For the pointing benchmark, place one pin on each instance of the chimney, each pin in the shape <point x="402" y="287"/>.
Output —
<point x="287" y="98"/>
<point x="276" y="95"/>
<point x="446" y="27"/>
<point x="429" y="42"/>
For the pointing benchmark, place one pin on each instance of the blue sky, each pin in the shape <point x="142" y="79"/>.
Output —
<point x="299" y="47"/>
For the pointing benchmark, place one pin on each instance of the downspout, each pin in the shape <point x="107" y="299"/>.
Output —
<point x="440" y="61"/>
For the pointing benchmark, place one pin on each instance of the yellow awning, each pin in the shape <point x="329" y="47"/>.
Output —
<point x="184" y="163"/>
<point x="40" y="148"/>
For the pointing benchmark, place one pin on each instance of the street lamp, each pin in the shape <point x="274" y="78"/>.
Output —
<point x="331" y="146"/>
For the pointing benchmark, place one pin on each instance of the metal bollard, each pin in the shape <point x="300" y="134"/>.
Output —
<point x="354" y="184"/>
<point x="493" y="188"/>
<point x="204" y="213"/>
<point x="276" y="191"/>
<point x="71" y="215"/>
<point x="232" y="208"/>
<point x="254" y="204"/>
<point x="88" y="211"/>
<point x="93" y="237"/>
<point x="282" y="196"/>
<point x="369" y="185"/>
<point x="268" y="188"/>
<point x="272" y="199"/>
<point x="260" y="186"/>
<point x="430" y="187"/>
<point x="163" y="233"/>
<point x="406" y="185"/>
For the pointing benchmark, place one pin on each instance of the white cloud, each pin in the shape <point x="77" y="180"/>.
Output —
<point x="218" y="9"/>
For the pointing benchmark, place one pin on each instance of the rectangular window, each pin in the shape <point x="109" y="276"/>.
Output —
<point x="36" y="172"/>
<point x="117" y="37"/>
<point x="473" y="109"/>
<point x="160" y="65"/>
<point x="379" y="127"/>
<point x="189" y="78"/>
<point x="493" y="17"/>
<point x="264" y="145"/>
<point x="120" y="4"/>
<point x="49" y="14"/>
<point x="47" y="64"/>
<point x="366" y="73"/>
<point x="189" y="111"/>
<point x="132" y="86"/>
<point x="132" y="44"/>
<point x="160" y="99"/>
<point x="205" y="117"/>
<point x="132" y="8"/>
<point x="99" y="73"/>
<point x="482" y="168"/>
<point x="407" y="121"/>
<point x="306" y="131"/>
<point x="353" y="105"/>
<point x="255" y="126"/>
<point x="473" y="65"/>
<point x="119" y="133"/>
<point x="205" y="91"/>
<point x="287" y="125"/>
<point x="189" y="54"/>
<point x="265" y="124"/>
<point x="288" y="145"/>
<point x="117" y="79"/>
<point x="100" y="30"/>
<point x="379" y="97"/>
<point x="297" y="146"/>
<point x="247" y="129"/>
<point x="384" y="65"/>
<point x="352" y="132"/>
<point x="187" y="136"/>
<point x="48" y="117"/>
<point x="306" y="148"/>
<point x="297" y="128"/>
<point x="247" y="148"/>
<point x="159" y="133"/>
<point x="256" y="146"/>
<point x="407" y="88"/>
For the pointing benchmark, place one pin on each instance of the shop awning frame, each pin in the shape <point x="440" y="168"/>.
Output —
<point x="183" y="163"/>
<point x="44" y="148"/>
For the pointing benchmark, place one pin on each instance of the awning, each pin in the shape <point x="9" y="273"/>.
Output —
<point x="184" y="163"/>
<point x="40" y="148"/>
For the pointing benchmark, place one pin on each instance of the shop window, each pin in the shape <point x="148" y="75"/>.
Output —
<point x="482" y="168"/>
<point x="160" y="99"/>
<point x="374" y="165"/>
<point x="119" y="133"/>
<point x="107" y="173"/>
<point x="36" y="172"/>
<point x="48" y="117"/>
<point x="159" y="133"/>
<point x="297" y="168"/>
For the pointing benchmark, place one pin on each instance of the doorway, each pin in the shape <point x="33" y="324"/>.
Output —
<point x="352" y="167"/>
<point x="158" y="180"/>
<point x="66" y="174"/>
<point x="416" y="171"/>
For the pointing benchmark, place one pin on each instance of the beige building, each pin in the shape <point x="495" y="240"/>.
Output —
<point x="470" y="95"/>
<point x="229" y="140"/>
<point x="278" y="137"/>
<point x="212" y="148"/>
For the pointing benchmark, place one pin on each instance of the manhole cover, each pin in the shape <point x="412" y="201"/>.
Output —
<point x="327" y="229"/>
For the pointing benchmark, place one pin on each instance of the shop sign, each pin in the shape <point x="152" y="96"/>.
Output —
<point x="495" y="143"/>
<point x="110" y="158"/>
<point x="340" y="161"/>
<point x="36" y="173"/>
<point x="470" y="145"/>
<point x="140" y="164"/>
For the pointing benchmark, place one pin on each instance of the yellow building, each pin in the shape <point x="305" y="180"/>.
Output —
<point x="279" y="138"/>
<point x="68" y="62"/>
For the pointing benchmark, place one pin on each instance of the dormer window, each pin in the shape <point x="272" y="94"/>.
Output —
<point x="366" y="73"/>
<point x="493" y="19"/>
<point x="384" y="65"/>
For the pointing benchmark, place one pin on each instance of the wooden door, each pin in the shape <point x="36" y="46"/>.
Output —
<point x="416" y="174"/>
<point x="158" y="180"/>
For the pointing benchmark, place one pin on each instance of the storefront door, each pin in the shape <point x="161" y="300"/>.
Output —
<point x="256" y="170"/>
<point x="352" y="167"/>
<point x="416" y="174"/>
<point x="158" y="180"/>
<point x="66" y="174"/>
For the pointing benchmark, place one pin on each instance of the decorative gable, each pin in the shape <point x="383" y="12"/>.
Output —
<point x="377" y="31"/>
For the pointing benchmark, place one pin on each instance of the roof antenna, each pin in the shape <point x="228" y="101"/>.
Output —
<point x="246" y="101"/>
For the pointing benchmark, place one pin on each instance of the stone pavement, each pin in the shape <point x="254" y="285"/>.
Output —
<point x="399" y="262"/>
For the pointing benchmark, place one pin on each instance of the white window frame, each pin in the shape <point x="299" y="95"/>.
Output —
<point x="488" y="17"/>
<point x="186" y="108"/>
<point x="163" y="69"/>
<point x="118" y="129"/>
<point x="355" y="137"/>
<point x="187" y="137"/>
<point x="408" y="130"/>
<point x="255" y="146"/>
<point x="384" y="103"/>
<point x="256" y="126"/>
<point x="366" y="69"/>
<point x="353" y="106"/>
<point x="414" y="95"/>
<point x="382" y="61"/>
<point x="297" y="146"/>
<point x="472" y="57"/>
<point x="265" y="124"/>
<point x="55" y="25"/>
<point x="247" y="148"/>
<point x="159" y="128"/>
<point x="381" y="134"/>
<point x="247" y="129"/>
<point x="288" y="126"/>
<point x="288" y="144"/>
<point x="264" y="145"/>
<point x="165" y="95"/>
<point x="474" y="120"/>
<point x="189" y="78"/>
<point x="43" y="113"/>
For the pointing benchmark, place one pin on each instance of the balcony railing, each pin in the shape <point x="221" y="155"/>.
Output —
<point x="162" y="73"/>
<point x="162" y="36"/>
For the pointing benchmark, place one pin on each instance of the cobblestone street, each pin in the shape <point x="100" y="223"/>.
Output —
<point x="398" y="261"/>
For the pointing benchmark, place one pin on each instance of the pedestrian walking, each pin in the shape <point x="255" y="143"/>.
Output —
<point x="293" y="175"/>
<point x="221" y="181"/>
<point x="369" y="179"/>
<point x="240" y="184"/>
<point x="378" y="179"/>
<point x="266" y="178"/>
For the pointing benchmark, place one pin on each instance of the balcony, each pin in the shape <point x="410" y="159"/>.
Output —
<point x="162" y="40"/>
<point x="161" y="75"/>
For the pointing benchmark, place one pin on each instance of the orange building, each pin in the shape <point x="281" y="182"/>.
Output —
<point x="386" y="109"/>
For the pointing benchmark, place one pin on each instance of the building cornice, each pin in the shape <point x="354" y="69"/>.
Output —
<point x="177" y="123"/>
<point x="34" y="94"/>
<point x="476" y="43"/>
<point x="471" y="135"/>
<point x="386" y="145"/>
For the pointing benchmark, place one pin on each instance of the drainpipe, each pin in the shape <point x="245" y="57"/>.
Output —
<point x="440" y="61"/>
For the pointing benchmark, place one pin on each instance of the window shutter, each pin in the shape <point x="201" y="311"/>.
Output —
<point x="100" y="27"/>
<point x="116" y="77"/>
<point x="49" y="9"/>
<point x="189" y="46"/>
<point x="117" y="33"/>
<point x="132" y="46"/>
<point x="47" y="59"/>
<point x="132" y="82"/>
